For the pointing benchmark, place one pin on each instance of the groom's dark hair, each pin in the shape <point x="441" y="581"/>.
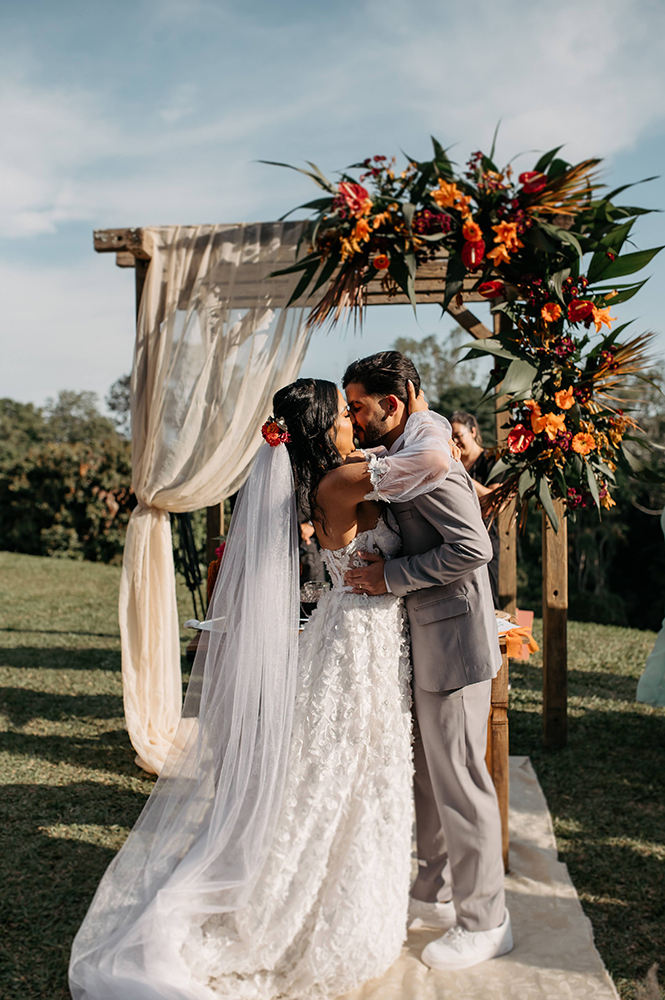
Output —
<point x="384" y="374"/>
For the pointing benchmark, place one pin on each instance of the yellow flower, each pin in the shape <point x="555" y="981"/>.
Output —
<point x="499" y="255"/>
<point x="564" y="399"/>
<point x="506" y="232"/>
<point x="583" y="443"/>
<point x="607" y="501"/>
<point x="601" y="316"/>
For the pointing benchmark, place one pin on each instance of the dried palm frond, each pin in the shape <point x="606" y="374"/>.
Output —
<point x="345" y="293"/>
<point x="568" y="193"/>
<point x="632" y="358"/>
<point x="493" y="503"/>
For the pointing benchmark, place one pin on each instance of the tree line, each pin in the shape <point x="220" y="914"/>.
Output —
<point x="65" y="489"/>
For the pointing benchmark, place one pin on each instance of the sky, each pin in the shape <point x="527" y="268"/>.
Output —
<point x="150" y="112"/>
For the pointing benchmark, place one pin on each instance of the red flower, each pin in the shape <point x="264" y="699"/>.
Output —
<point x="491" y="289"/>
<point x="533" y="181"/>
<point x="473" y="253"/>
<point x="354" y="196"/>
<point x="520" y="438"/>
<point x="381" y="262"/>
<point x="580" y="310"/>
<point x="219" y="551"/>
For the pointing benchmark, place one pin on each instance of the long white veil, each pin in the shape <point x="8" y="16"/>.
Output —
<point x="200" y="842"/>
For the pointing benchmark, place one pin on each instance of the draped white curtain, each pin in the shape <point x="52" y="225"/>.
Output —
<point x="214" y="342"/>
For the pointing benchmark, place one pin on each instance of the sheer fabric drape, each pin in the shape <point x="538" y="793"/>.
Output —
<point x="214" y="342"/>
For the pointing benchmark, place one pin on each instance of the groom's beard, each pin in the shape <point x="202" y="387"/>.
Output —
<point x="373" y="433"/>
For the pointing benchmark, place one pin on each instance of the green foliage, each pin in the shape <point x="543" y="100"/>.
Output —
<point x="68" y="500"/>
<point x="22" y="425"/>
<point x="73" y="418"/>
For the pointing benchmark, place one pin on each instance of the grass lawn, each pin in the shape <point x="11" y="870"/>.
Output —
<point x="71" y="789"/>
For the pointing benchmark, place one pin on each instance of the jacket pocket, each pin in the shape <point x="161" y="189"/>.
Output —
<point x="436" y="611"/>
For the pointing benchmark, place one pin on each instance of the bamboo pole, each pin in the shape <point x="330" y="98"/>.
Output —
<point x="555" y="615"/>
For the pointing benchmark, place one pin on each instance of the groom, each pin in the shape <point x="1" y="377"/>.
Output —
<point x="455" y="649"/>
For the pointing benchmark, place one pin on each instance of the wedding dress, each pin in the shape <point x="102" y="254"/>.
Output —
<point x="272" y="859"/>
<point x="329" y="908"/>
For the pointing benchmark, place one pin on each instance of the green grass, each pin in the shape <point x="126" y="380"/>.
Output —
<point x="72" y="791"/>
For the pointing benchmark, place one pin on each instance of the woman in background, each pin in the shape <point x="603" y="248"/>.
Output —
<point x="478" y="463"/>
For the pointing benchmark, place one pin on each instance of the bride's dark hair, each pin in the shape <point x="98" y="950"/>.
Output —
<point x="309" y="408"/>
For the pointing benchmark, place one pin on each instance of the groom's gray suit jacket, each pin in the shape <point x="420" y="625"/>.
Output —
<point x="444" y="580"/>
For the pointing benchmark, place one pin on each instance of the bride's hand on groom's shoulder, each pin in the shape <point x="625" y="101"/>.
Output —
<point x="416" y="404"/>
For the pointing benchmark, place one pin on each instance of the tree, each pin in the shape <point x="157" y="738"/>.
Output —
<point x="73" y="418"/>
<point x="118" y="402"/>
<point x="22" y="425"/>
<point x="449" y="383"/>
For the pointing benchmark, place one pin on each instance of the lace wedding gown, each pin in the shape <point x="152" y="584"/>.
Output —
<point x="329" y="909"/>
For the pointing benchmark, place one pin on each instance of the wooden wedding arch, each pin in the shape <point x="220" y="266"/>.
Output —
<point x="132" y="250"/>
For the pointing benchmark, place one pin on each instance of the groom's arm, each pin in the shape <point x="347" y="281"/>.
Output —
<point x="455" y="513"/>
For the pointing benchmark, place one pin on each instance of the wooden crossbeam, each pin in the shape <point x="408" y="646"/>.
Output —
<point x="130" y="244"/>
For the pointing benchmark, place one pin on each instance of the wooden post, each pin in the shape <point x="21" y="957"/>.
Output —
<point x="140" y="272"/>
<point x="555" y="614"/>
<point x="498" y="736"/>
<point x="215" y="528"/>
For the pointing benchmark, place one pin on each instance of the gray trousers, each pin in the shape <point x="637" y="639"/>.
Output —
<point x="458" y="825"/>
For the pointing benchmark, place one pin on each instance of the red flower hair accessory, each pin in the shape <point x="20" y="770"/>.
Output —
<point x="274" y="431"/>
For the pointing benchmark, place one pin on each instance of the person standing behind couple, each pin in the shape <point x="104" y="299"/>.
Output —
<point x="455" y="653"/>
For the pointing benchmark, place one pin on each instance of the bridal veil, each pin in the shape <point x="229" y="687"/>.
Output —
<point x="201" y="840"/>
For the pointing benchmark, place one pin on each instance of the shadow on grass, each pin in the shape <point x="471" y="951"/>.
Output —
<point x="581" y="683"/>
<point x="57" y="658"/>
<point x="61" y="631"/>
<point x="21" y="706"/>
<point x="48" y="882"/>
<point x="110" y="751"/>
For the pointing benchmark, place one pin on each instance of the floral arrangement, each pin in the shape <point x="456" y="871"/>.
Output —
<point x="274" y="432"/>
<point x="546" y="248"/>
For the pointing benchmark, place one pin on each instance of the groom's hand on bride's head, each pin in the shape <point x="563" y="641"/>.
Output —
<point x="415" y="404"/>
<point x="367" y="579"/>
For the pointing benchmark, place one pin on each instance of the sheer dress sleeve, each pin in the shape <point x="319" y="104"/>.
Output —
<point x="420" y="466"/>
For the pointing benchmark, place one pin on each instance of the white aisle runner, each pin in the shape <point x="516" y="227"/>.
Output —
<point x="554" y="956"/>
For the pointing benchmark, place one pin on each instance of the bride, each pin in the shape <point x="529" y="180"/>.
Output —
<point x="272" y="859"/>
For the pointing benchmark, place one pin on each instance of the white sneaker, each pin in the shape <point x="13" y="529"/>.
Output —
<point x="440" y="916"/>
<point x="460" y="949"/>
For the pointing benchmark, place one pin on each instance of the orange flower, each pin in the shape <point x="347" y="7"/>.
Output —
<point x="506" y="232"/>
<point x="447" y="194"/>
<point x="471" y="231"/>
<point x="381" y="262"/>
<point x="583" y="443"/>
<point x="463" y="205"/>
<point x="554" y="423"/>
<point x="564" y="398"/>
<point x="499" y="255"/>
<point x="538" y="421"/>
<point x="551" y="312"/>
<point x="601" y="316"/>
<point x="361" y="231"/>
<point x="607" y="501"/>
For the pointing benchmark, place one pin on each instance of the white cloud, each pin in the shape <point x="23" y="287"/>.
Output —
<point x="65" y="327"/>
<point x="590" y="74"/>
